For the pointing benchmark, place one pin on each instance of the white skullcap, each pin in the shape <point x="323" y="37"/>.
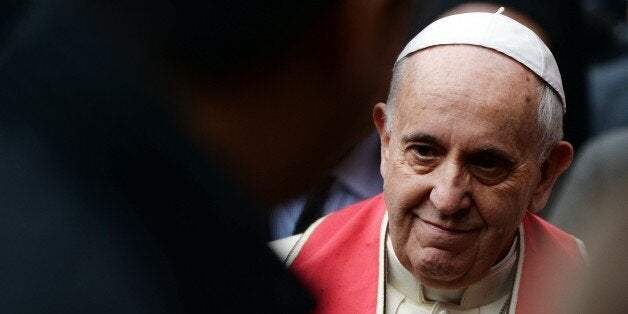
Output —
<point x="494" y="31"/>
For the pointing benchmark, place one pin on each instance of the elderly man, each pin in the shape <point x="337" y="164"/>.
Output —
<point x="471" y="148"/>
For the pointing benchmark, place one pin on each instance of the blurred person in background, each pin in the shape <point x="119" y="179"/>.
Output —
<point x="593" y="205"/>
<point x="607" y="74"/>
<point x="592" y="202"/>
<point x="10" y="13"/>
<point x="141" y="143"/>
<point x="595" y="190"/>
<point x="356" y="177"/>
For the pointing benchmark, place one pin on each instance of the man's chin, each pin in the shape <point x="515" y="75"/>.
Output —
<point x="441" y="269"/>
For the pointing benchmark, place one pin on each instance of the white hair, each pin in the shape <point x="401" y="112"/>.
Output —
<point x="549" y="119"/>
<point x="549" y="113"/>
<point x="395" y="82"/>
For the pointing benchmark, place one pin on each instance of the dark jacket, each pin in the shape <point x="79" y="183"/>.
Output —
<point x="105" y="207"/>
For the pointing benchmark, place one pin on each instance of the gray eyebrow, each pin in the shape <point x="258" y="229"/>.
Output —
<point x="493" y="151"/>
<point x="420" y="137"/>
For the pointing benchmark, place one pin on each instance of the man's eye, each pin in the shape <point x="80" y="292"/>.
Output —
<point x="488" y="164"/>
<point x="489" y="170"/>
<point x="425" y="151"/>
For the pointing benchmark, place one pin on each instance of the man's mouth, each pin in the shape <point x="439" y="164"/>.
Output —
<point x="450" y="228"/>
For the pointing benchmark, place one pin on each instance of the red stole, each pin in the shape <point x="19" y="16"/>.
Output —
<point x="552" y="262"/>
<point x="340" y="261"/>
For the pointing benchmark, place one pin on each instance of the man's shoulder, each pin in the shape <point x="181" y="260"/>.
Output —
<point x="373" y="206"/>
<point x="287" y="248"/>
<point x="361" y="217"/>
<point x="538" y="230"/>
<point x="533" y="222"/>
<point x="375" y="203"/>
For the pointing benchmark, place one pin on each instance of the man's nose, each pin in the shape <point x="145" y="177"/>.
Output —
<point x="450" y="192"/>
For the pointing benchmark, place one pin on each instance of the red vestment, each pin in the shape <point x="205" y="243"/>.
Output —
<point x="340" y="262"/>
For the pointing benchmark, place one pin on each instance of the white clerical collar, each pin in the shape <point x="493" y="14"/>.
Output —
<point x="495" y="285"/>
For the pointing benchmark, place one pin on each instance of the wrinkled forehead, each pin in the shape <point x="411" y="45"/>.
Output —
<point x="468" y="80"/>
<point x="471" y="70"/>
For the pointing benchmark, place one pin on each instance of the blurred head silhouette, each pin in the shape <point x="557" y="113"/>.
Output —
<point x="267" y="85"/>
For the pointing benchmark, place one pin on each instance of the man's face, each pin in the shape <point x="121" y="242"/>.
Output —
<point x="460" y="165"/>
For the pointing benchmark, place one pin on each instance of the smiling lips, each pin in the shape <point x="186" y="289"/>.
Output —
<point x="452" y="230"/>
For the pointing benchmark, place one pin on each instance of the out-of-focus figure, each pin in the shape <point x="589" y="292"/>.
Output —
<point x="596" y="189"/>
<point x="593" y="204"/>
<point x="354" y="179"/>
<point x="142" y="142"/>
<point x="608" y="71"/>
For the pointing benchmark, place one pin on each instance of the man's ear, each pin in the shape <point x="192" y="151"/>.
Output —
<point x="556" y="163"/>
<point x="379" y="118"/>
